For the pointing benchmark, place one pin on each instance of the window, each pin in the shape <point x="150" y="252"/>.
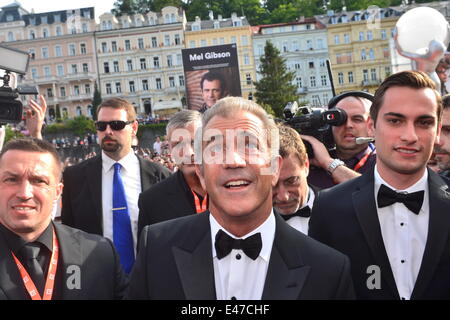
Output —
<point x="85" y="27"/>
<point x="108" y="88"/>
<point x="154" y="42"/>
<point x="130" y="65"/>
<point x="58" y="31"/>
<point x="45" y="33"/>
<point x="106" y="67"/>
<point x="116" y="66"/>
<point x="58" y="51"/>
<point x="309" y="44"/>
<point x="118" y="87"/>
<point x="297" y="66"/>
<point x="311" y="64"/>
<point x="83" y="48"/>
<point x="172" y="82"/>
<point x="371" y="54"/>
<point x="336" y="39"/>
<point x="167" y="40"/>
<point x="295" y="47"/>
<point x="87" y="88"/>
<point x="373" y="74"/>
<point x="203" y="43"/>
<point x="131" y="86"/>
<point x="248" y="78"/>
<point x="322" y="63"/>
<point x="62" y="91"/>
<point x="141" y="43"/>
<point x="34" y="73"/>
<point x="361" y="36"/>
<point x="386" y="53"/>
<point x="104" y="47"/>
<point x="285" y="47"/>
<point x="369" y="35"/>
<point x="145" y="85"/>
<point x="340" y="78"/>
<point x="181" y="81"/>
<point x="32" y="54"/>
<point x="177" y="39"/>
<point x="47" y="72"/>
<point x="363" y="54"/>
<point x="49" y="92"/>
<point x="169" y="61"/>
<point x="45" y="53"/>
<point x="85" y="68"/>
<point x="299" y="82"/>
<point x="365" y="75"/>
<point x="246" y="59"/>
<point x="10" y="36"/>
<point x="127" y="45"/>
<point x="320" y="44"/>
<point x="60" y="70"/>
<point x="192" y="44"/>
<point x="32" y="34"/>
<point x="76" y="90"/>
<point x="312" y="81"/>
<point x="44" y="20"/>
<point x="74" y="69"/>
<point x="244" y="40"/>
<point x="221" y="40"/>
<point x="72" y="50"/>
<point x="114" y="46"/>
<point x="383" y="34"/>
<point x="233" y="39"/>
<point x="143" y="64"/>
<point x="323" y="80"/>
<point x="350" y="77"/>
<point x="179" y="60"/>
<point x="346" y="38"/>
<point x="156" y="62"/>
<point x="158" y="83"/>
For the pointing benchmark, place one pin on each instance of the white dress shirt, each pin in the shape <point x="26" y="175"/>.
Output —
<point x="302" y="223"/>
<point x="237" y="276"/>
<point x="404" y="235"/>
<point x="131" y="177"/>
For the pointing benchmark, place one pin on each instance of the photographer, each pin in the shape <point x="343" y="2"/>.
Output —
<point x="350" y="159"/>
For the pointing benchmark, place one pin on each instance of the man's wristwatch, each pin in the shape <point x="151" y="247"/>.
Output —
<point x="334" y="164"/>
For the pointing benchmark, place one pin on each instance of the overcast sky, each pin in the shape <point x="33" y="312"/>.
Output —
<point x="101" y="6"/>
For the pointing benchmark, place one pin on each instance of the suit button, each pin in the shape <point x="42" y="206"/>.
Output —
<point x="403" y="261"/>
<point x="238" y="256"/>
<point x="233" y="298"/>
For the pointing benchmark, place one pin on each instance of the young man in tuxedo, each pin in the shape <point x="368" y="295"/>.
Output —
<point x="442" y="149"/>
<point x="181" y="194"/>
<point x="101" y="194"/>
<point x="40" y="259"/>
<point x="238" y="249"/>
<point x="393" y="222"/>
<point x="292" y="196"/>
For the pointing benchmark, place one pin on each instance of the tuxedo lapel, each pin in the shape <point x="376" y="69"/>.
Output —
<point x="366" y="212"/>
<point x="194" y="261"/>
<point x="94" y="178"/>
<point x="147" y="176"/>
<point x="286" y="274"/>
<point x="10" y="279"/>
<point x="438" y="232"/>
<point x="71" y="262"/>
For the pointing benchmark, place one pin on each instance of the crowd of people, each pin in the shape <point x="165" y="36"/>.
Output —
<point x="230" y="206"/>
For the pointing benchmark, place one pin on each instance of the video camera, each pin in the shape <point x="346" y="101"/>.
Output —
<point x="314" y="122"/>
<point x="13" y="60"/>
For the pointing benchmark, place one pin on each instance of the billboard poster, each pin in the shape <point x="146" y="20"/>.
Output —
<point x="211" y="73"/>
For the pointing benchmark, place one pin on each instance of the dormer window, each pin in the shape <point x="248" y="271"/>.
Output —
<point x="9" y="18"/>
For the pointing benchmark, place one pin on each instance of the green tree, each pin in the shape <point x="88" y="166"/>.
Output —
<point x="124" y="7"/>
<point x="275" y="89"/>
<point x="11" y="134"/>
<point x="96" y="101"/>
<point x="81" y="125"/>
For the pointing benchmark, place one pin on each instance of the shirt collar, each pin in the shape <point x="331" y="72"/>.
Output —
<point x="267" y="230"/>
<point x="354" y="160"/>
<point x="311" y="197"/>
<point x="420" y="185"/>
<point x="15" y="242"/>
<point x="126" y="162"/>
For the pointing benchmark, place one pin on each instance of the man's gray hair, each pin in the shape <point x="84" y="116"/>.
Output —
<point x="182" y="119"/>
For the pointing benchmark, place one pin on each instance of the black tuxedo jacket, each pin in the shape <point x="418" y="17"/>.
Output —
<point x="82" y="193"/>
<point x="164" y="201"/>
<point x="175" y="263"/>
<point x="101" y="275"/>
<point x="345" y="217"/>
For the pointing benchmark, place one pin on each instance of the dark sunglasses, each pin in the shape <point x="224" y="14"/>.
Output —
<point x="115" y="125"/>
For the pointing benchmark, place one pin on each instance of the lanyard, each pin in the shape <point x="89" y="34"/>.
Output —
<point x="50" y="283"/>
<point x="363" y="160"/>
<point x="204" y="206"/>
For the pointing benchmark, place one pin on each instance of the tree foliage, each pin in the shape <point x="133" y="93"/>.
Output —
<point x="96" y="101"/>
<point x="275" y="89"/>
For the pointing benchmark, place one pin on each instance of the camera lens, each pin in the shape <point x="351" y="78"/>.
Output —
<point x="5" y="111"/>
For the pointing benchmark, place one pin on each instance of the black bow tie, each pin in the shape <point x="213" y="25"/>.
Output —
<point x="224" y="244"/>
<point x="304" y="212"/>
<point x="413" y="201"/>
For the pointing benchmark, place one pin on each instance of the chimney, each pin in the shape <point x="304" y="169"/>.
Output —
<point x="211" y="15"/>
<point x="219" y="17"/>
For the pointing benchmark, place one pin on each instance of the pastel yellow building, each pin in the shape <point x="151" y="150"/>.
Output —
<point x="358" y="44"/>
<point x="203" y="33"/>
